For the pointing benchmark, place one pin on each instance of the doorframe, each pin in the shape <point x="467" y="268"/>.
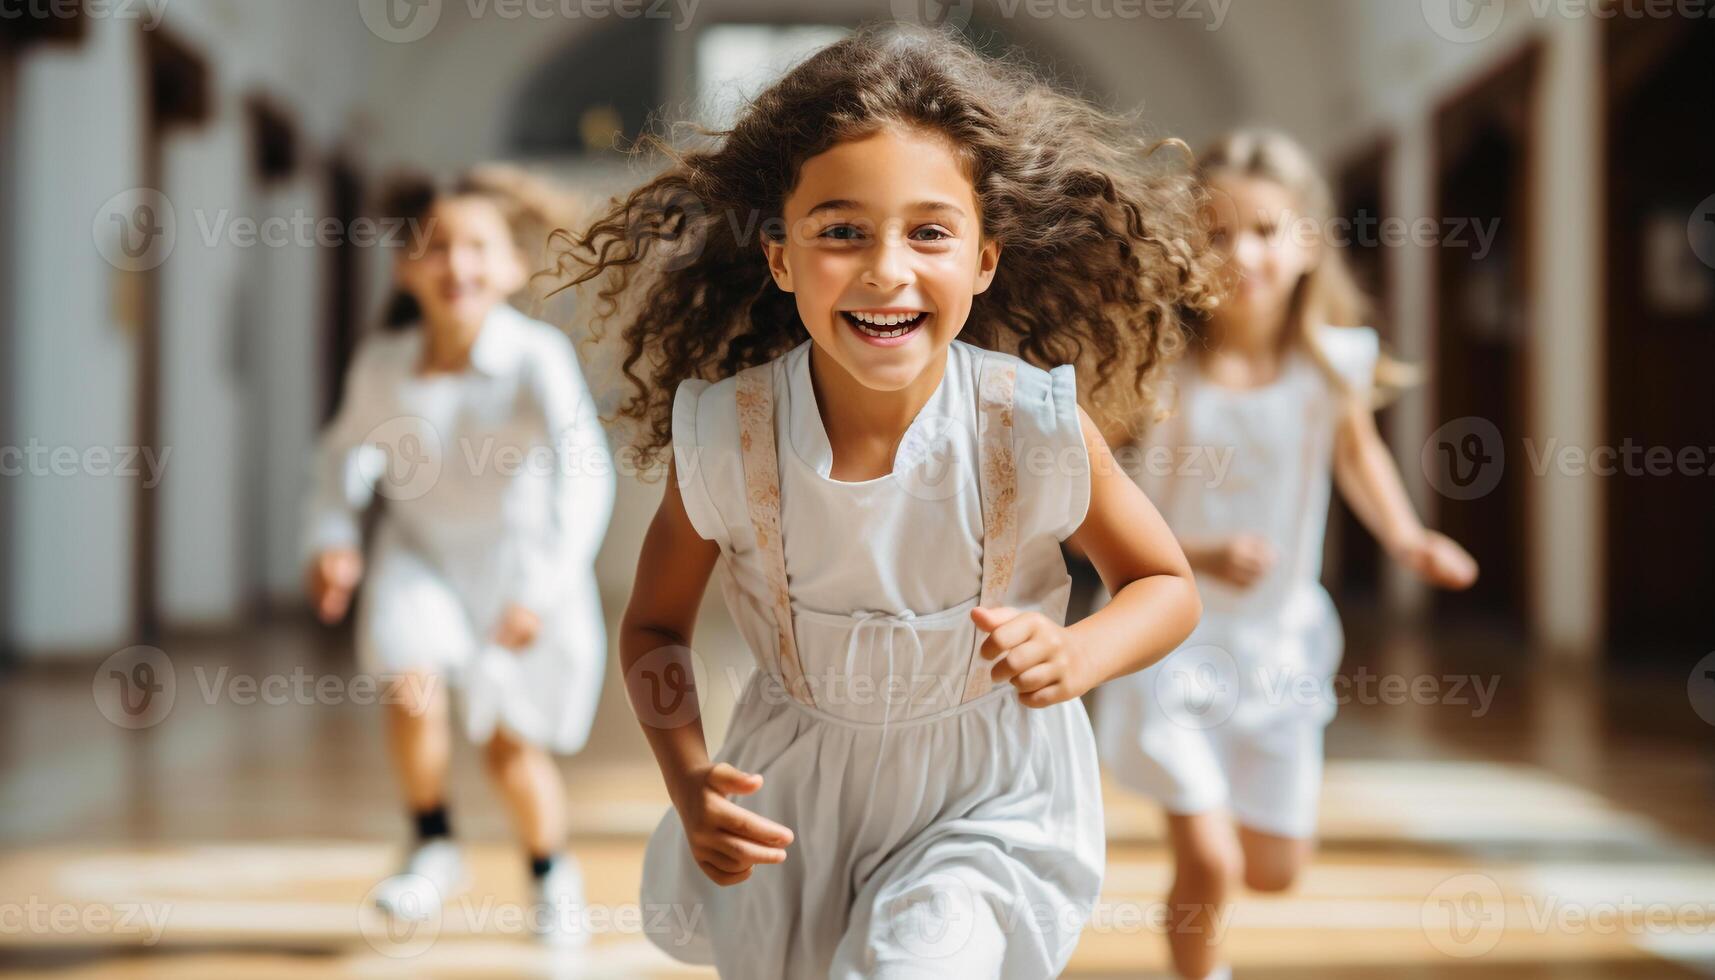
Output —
<point x="9" y="72"/>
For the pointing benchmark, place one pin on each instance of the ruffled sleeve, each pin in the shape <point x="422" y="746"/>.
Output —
<point x="1053" y="461"/>
<point x="1353" y="353"/>
<point x="705" y="440"/>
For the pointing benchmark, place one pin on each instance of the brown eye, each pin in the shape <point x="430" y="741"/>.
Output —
<point x="940" y="234"/>
<point x="840" y="233"/>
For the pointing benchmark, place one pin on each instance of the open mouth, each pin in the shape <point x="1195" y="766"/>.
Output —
<point x="885" y="326"/>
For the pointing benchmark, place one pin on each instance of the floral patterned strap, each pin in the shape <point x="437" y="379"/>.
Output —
<point x="998" y="469"/>
<point x="762" y="498"/>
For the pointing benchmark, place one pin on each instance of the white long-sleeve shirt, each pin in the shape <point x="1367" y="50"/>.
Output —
<point x="500" y="474"/>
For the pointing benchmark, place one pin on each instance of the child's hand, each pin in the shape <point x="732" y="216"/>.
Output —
<point x="726" y="839"/>
<point x="518" y="628"/>
<point x="1438" y="560"/>
<point x="1240" y="560"/>
<point x="333" y="576"/>
<point x="1038" y="655"/>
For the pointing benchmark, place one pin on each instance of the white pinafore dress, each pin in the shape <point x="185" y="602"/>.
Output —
<point x="942" y="829"/>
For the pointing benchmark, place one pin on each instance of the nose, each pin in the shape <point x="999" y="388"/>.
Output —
<point x="889" y="264"/>
<point x="1250" y="252"/>
<point x="463" y="262"/>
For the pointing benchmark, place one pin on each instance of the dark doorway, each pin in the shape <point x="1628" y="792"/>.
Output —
<point x="1354" y="559"/>
<point x="340" y="330"/>
<point x="1661" y="332"/>
<point x="1483" y="160"/>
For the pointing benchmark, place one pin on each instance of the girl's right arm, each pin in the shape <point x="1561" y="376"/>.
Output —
<point x="340" y="491"/>
<point x="654" y="652"/>
<point x="1369" y="479"/>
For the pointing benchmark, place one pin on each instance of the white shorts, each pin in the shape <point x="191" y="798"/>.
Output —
<point x="1195" y="733"/>
<point x="1233" y="718"/>
<point x="1270" y="778"/>
<point x="413" y="617"/>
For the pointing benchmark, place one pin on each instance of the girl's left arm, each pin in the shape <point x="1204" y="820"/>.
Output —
<point x="1154" y="607"/>
<point x="1370" y="482"/>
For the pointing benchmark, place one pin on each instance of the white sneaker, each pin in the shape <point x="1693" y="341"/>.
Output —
<point x="434" y="873"/>
<point x="558" y="913"/>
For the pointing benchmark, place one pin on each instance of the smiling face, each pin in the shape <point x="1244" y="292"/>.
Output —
<point x="883" y="252"/>
<point x="1254" y="229"/>
<point x="468" y="265"/>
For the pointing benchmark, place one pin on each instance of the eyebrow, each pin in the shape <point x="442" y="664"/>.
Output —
<point x="842" y="204"/>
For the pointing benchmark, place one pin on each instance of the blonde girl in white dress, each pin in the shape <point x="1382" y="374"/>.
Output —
<point x="1270" y="404"/>
<point x="473" y="423"/>
<point x="908" y="787"/>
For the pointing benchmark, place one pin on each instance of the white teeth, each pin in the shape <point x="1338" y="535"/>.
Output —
<point x="883" y="319"/>
<point x="887" y="325"/>
<point x="886" y="333"/>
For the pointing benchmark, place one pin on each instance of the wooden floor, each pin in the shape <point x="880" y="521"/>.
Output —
<point x="1562" y="832"/>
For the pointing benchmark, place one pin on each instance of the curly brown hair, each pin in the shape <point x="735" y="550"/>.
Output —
<point x="1102" y="253"/>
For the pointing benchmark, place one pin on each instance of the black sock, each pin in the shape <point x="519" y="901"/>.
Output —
<point x="540" y="866"/>
<point x="432" y="823"/>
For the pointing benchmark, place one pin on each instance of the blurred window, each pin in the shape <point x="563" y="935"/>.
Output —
<point x="736" y="61"/>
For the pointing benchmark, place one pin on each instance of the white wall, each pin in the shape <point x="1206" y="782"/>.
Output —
<point x="282" y="324"/>
<point x="202" y="392"/>
<point x="73" y="381"/>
